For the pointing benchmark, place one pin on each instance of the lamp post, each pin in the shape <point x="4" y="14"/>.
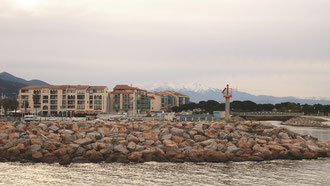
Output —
<point x="227" y="93"/>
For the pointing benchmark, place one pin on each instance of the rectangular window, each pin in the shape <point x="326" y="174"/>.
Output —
<point x="53" y="96"/>
<point x="80" y="92"/>
<point x="80" y="97"/>
<point x="24" y="91"/>
<point x="25" y="97"/>
<point x="53" y="102"/>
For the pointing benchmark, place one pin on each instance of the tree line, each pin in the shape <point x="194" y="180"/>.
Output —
<point x="250" y="106"/>
<point x="9" y="104"/>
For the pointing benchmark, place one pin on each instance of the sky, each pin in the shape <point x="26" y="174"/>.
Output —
<point x="269" y="47"/>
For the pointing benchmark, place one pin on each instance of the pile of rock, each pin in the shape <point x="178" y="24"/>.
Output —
<point x="67" y="142"/>
<point x="305" y="122"/>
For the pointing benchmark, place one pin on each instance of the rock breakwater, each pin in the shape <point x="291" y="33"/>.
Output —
<point x="66" y="142"/>
<point x="306" y="122"/>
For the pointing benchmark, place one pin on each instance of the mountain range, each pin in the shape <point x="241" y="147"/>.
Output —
<point x="198" y="92"/>
<point x="10" y="84"/>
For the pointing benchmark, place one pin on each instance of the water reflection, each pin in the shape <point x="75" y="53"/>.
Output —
<point x="317" y="132"/>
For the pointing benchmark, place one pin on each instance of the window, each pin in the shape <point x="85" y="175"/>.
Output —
<point x="80" y="97"/>
<point x="53" y="107"/>
<point x="25" y="97"/>
<point x="24" y="91"/>
<point x="81" y="107"/>
<point x="53" y="96"/>
<point x="80" y="92"/>
<point x="53" y="91"/>
<point x="54" y="102"/>
<point x="71" y="91"/>
<point x="70" y="102"/>
<point x="44" y="97"/>
<point x="81" y="102"/>
<point x="71" y="97"/>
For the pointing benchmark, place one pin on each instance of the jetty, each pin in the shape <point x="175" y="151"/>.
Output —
<point x="162" y="141"/>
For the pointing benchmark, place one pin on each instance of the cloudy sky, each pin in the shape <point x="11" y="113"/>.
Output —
<point x="271" y="47"/>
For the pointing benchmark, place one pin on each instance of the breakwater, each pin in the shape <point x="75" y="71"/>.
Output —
<point x="66" y="142"/>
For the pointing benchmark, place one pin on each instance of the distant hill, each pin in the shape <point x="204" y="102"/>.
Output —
<point x="8" y="77"/>
<point x="9" y="84"/>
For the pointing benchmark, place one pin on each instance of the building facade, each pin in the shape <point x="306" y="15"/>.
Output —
<point x="70" y="100"/>
<point x="164" y="101"/>
<point x="128" y="99"/>
<point x="63" y="100"/>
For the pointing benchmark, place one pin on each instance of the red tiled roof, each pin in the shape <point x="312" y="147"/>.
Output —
<point x="121" y="92"/>
<point x="125" y="87"/>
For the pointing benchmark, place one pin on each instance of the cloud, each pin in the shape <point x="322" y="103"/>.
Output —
<point x="260" y="46"/>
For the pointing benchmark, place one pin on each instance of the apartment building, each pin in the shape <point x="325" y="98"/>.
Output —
<point x="164" y="101"/>
<point x="63" y="100"/>
<point x="128" y="99"/>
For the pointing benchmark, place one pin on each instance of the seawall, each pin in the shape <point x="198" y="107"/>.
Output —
<point x="67" y="142"/>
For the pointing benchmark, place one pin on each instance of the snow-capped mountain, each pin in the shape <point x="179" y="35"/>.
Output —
<point x="198" y="92"/>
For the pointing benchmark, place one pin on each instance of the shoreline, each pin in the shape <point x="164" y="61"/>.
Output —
<point x="124" y="142"/>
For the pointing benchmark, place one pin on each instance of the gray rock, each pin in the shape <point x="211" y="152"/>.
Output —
<point x="121" y="148"/>
<point x="131" y="146"/>
<point x="94" y="135"/>
<point x="208" y="142"/>
<point x="42" y="126"/>
<point x="3" y="136"/>
<point x="83" y="141"/>
<point x="149" y="142"/>
<point x="222" y="135"/>
<point x="232" y="149"/>
<point x="35" y="147"/>
<point x="139" y="148"/>
<point x="72" y="145"/>
<point x="221" y="147"/>
<point x="131" y="137"/>
<point x="199" y="128"/>
<point x="172" y="151"/>
<point x="158" y="126"/>
<point x="80" y="151"/>
<point x="69" y="138"/>
<point x="21" y="127"/>
<point x="283" y="135"/>
<point x="10" y="144"/>
<point x="54" y="128"/>
<point x="166" y="137"/>
<point x="212" y="146"/>
<point x="67" y="131"/>
<point x="83" y="125"/>
<point x="177" y="131"/>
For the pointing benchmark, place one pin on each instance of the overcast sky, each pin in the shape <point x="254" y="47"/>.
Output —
<point x="271" y="47"/>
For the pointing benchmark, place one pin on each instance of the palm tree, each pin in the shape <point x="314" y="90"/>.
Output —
<point x="26" y="105"/>
<point x="5" y="104"/>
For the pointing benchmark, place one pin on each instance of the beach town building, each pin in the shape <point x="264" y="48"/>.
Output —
<point x="63" y="100"/>
<point x="129" y="99"/>
<point x="70" y="100"/>
<point x="164" y="101"/>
